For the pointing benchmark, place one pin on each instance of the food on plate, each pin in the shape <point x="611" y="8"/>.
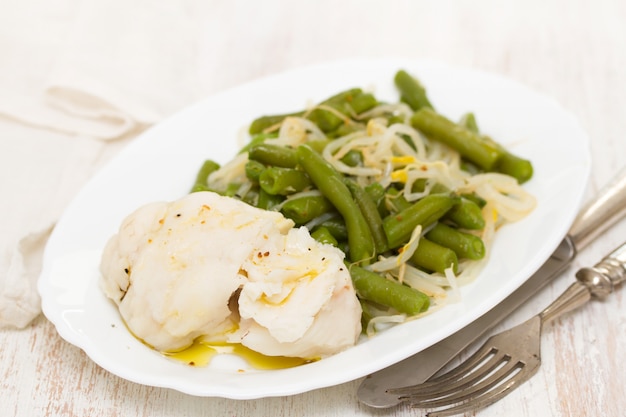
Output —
<point x="212" y="266"/>
<point x="352" y="214"/>
<point x="412" y="197"/>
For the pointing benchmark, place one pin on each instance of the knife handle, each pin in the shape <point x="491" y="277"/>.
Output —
<point x="606" y="274"/>
<point x="600" y="214"/>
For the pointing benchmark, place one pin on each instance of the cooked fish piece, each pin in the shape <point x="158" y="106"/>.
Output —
<point x="299" y="299"/>
<point x="212" y="266"/>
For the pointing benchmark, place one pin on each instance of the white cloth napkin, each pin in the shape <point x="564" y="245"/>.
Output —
<point x="75" y="77"/>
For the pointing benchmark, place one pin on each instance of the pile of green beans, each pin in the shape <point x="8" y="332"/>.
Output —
<point x="374" y="220"/>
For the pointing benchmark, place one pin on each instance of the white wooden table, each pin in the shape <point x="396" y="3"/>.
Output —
<point x="574" y="51"/>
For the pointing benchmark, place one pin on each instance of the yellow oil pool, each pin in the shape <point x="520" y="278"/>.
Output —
<point x="200" y="354"/>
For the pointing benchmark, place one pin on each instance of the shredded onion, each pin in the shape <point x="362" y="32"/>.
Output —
<point x="455" y="292"/>
<point x="379" y="321"/>
<point x="295" y="131"/>
<point x="295" y="196"/>
<point x="232" y="172"/>
<point x="510" y="200"/>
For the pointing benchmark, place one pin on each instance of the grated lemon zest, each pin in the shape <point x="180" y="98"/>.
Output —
<point x="404" y="160"/>
<point x="399" y="175"/>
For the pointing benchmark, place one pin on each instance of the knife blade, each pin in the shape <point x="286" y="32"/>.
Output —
<point x="597" y="216"/>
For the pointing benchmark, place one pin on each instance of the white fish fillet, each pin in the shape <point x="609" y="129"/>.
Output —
<point x="174" y="268"/>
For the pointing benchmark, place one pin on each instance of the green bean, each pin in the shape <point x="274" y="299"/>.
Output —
<point x="263" y="123"/>
<point x="257" y="139"/>
<point x="353" y="100"/>
<point x="478" y="200"/>
<point x="323" y="235"/>
<point x="433" y="257"/>
<point x="348" y="103"/>
<point x="344" y="246"/>
<point x="466" y="214"/>
<point x="470" y="145"/>
<point x="373" y="287"/>
<point x="201" y="183"/>
<point x="469" y="121"/>
<point x="274" y="155"/>
<point x="253" y="170"/>
<point x="399" y="227"/>
<point x="283" y="181"/>
<point x="371" y="215"/>
<point x="318" y="145"/>
<point x="409" y="141"/>
<point x="420" y="185"/>
<point x="337" y="227"/>
<point x="343" y="97"/>
<point x="376" y="192"/>
<point x="268" y="201"/>
<point x="519" y="168"/>
<point x="465" y="245"/>
<point x="353" y="158"/>
<point x="411" y="91"/>
<point x="232" y="189"/>
<point x="362" y="102"/>
<point x="304" y="209"/>
<point x="345" y="129"/>
<point x="395" y="201"/>
<point x="328" y="120"/>
<point x="366" y="314"/>
<point x="397" y="118"/>
<point x="437" y="188"/>
<point x="330" y="183"/>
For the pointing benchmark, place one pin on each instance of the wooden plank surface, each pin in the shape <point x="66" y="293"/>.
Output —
<point x="574" y="51"/>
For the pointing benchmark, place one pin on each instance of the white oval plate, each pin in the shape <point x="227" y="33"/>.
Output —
<point x="161" y="165"/>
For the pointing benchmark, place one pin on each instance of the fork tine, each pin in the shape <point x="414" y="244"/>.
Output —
<point x="482" y="386"/>
<point x="476" y="361"/>
<point x="463" y="369"/>
<point x="459" y="382"/>
<point x="502" y="364"/>
<point x="490" y="397"/>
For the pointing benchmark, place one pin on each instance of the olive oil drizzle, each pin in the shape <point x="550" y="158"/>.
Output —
<point x="200" y="354"/>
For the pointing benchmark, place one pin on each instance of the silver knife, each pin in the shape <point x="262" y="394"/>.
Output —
<point x="597" y="216"/>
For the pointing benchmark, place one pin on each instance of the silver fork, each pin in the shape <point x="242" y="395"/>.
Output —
<point x="510" y="358"/>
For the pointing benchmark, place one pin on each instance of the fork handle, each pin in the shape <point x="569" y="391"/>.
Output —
<point x="598" y="281"/>
<point x="606" y="274"/>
